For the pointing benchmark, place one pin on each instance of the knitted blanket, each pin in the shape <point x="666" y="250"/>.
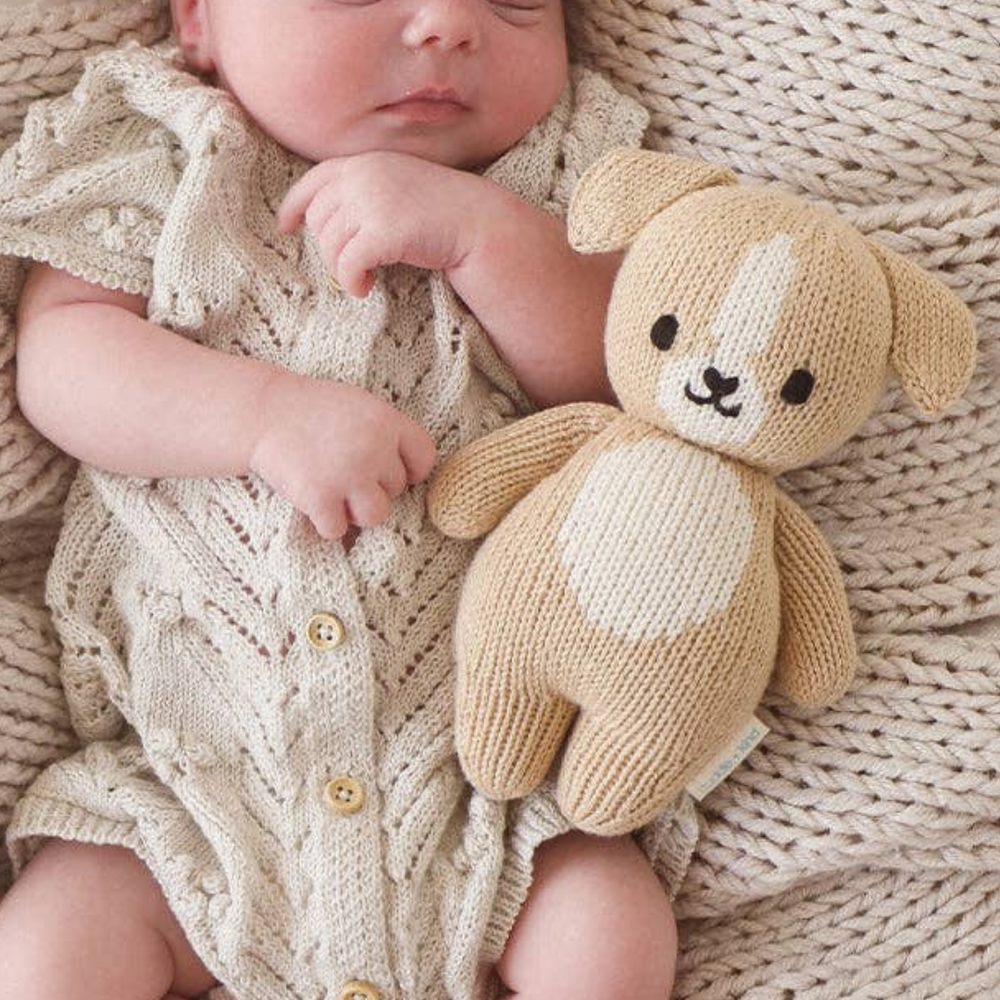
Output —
<point x="856" y="852"/>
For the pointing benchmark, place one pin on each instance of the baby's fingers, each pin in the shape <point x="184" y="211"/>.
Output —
<point x="394" y="480"/>
<point x="323" y="214"/>
<point x="296" y="203"/>
<point x="417" y="450"/>
<point x="331" y="521"/>
<point x="368" y="506"/>
<point x="356" y="263"/>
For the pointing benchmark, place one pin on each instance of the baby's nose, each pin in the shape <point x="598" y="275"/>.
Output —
<point x="444" y="24"/>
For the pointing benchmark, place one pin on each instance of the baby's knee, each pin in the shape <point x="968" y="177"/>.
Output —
<point x="596" y="922"/>
<point x="32" y="926"/>
<point x="633" y="933"/>
<point x="79" y="920"/>
<point x="71" y="884"/>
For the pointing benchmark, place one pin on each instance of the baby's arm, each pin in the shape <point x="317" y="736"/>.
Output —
<point x="131" y="397"/>
<point x="541" y="303"/>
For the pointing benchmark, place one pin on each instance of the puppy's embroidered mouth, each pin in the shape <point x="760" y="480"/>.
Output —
<point x="715" y="400"/>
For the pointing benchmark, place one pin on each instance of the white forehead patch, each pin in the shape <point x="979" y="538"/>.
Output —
<point x="743" y="328"/>
<point x="746" y="320"/>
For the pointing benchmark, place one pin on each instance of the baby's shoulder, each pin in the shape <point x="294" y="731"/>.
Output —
<point x="149" y="96"/>
<point x="100" y="173"/>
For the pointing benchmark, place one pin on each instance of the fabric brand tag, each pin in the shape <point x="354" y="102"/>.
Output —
<point x="727" y="759"/>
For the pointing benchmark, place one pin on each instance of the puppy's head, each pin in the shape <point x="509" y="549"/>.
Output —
<point x="753" y="323"/>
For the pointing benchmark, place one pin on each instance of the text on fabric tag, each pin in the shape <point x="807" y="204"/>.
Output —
<point x="727" y="759"/>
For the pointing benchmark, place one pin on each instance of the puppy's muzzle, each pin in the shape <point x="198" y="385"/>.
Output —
<point x="718" y="388"/>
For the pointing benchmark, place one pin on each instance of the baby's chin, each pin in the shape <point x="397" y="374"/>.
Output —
<point x="449" y="151"/>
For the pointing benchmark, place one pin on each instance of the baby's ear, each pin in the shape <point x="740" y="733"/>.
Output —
<point x="192" y="31"/>
<point x="625" y="188"/>
<point x="933" y="333"/>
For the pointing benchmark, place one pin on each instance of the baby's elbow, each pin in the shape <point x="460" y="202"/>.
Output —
<point x="29" y="387"/>
<point x="51" y="361"/>
<point x="37" y="364"/>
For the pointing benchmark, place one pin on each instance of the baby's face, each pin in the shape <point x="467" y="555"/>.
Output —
<point x="453" y="81"/>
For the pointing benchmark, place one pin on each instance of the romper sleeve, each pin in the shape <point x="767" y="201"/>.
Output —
<point x="88" y="184"/>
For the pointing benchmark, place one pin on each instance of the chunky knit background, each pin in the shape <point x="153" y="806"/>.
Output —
<point x="856" y="853"/>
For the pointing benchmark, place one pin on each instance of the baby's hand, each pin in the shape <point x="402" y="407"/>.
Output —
<point x="337" y="453"/>
<point x="387" y="208"/>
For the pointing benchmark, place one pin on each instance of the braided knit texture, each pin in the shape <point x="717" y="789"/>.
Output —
<point x="855" y="853"/>
<point x="41" y="50"/>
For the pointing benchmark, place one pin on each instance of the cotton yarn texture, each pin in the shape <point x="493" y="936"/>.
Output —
<point x="230" y="673"/>
<point x="855" y="853"/>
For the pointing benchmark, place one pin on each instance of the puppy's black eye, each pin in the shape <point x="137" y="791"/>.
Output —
<point x="663" y="332"/>
<point x="798" y="387"/>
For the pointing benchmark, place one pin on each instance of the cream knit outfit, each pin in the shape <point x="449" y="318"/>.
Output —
<point x="214" y="709"/>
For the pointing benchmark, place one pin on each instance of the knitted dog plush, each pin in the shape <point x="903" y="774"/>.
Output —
<point x="648" y="577"/>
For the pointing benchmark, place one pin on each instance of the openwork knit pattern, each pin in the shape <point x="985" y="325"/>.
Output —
<point x="41" y="50"/>
<point x="855" y="854"/>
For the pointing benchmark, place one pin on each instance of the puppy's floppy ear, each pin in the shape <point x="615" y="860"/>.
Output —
<point x="933" y="333"/>
<point x="625" y="188"/>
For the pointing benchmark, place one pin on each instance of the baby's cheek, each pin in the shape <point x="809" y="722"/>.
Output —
<point x="304" y="103"/>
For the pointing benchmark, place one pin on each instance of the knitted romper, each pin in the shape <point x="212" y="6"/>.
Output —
<point x="266" y="717"/>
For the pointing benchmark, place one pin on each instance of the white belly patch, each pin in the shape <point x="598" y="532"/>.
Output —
<point x="657" y="539"/>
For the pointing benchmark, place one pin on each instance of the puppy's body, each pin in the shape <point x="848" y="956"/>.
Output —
<point x="654" y="577"/>
<point x="645" y="551"/>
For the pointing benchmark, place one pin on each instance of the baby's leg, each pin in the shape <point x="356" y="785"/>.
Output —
<point x="596" y="924"/>
<point x="86" y="922"/>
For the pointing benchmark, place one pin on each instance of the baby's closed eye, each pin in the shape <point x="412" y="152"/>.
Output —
<point x="520" y="11"/>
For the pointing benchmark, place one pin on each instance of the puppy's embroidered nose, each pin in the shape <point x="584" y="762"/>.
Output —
<point x="719" y="386"/>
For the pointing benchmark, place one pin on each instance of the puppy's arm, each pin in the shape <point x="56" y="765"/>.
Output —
<point x="816" y="652"/>
<point x="477" y="485"/>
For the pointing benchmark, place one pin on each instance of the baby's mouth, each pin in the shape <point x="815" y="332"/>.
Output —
<point x="429" y="104"/>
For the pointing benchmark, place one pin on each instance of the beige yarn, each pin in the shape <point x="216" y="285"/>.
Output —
<point x="643" y="579"/>
<point x="855" y="853"/>
<point x="41" y="49"/>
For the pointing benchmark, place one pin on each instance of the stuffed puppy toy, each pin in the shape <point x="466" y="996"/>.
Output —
<point x="645" y="578"/>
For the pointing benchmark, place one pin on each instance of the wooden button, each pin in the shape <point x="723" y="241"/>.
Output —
<point x="345" y="795"/>
<point x="359" y="989"/>
<point x="325" y="631"/>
